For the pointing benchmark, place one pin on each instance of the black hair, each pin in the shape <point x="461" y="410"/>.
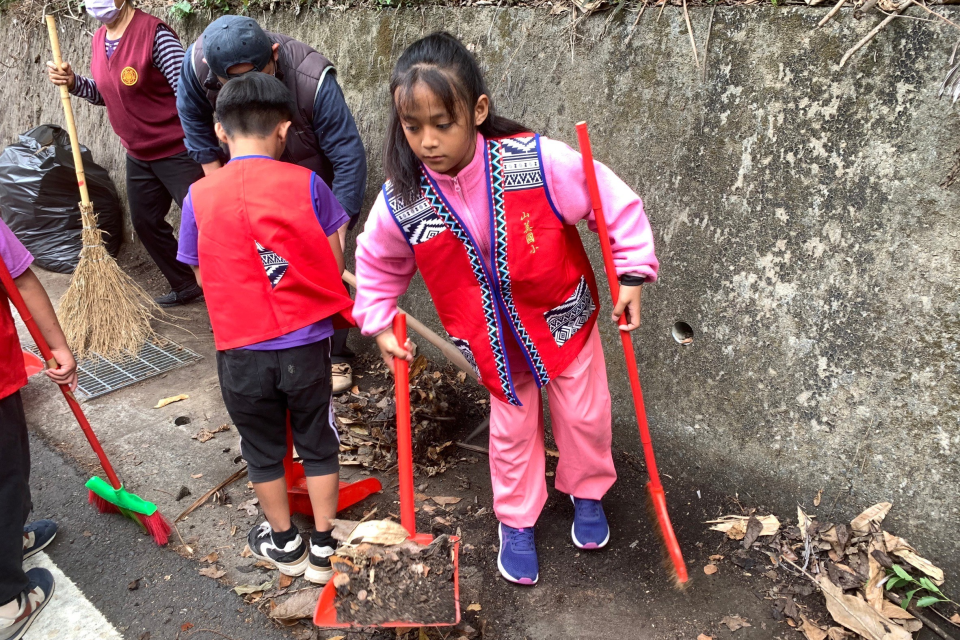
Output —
<point x="253" y="105"/>
<point x="443" y="64"/>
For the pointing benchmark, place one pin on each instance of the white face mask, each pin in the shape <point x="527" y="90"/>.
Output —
<point x="105" y="11"/>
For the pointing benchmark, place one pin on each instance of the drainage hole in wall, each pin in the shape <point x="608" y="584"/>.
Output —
<point x="682" y="333"/>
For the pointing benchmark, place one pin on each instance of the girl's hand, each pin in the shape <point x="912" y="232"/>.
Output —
<point x="629" y="301"/>
<point x="390" y="348"/>
<point x="66" y="373"/>
<point x="62" y="76"/>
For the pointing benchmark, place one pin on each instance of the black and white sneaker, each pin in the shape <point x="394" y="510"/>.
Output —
<point x="322" y="546"/>
<point x="290" y="558"/>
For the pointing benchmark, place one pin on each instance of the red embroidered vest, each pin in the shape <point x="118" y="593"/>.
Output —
<point x="266" y="263"/>
<point x="540" y="286"/>
<point x="12" y="373"/>
<point x="141" y="105"/>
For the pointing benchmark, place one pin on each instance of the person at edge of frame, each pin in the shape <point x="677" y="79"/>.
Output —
<point x="135" y="67"/>
<point x="323" y="136"/>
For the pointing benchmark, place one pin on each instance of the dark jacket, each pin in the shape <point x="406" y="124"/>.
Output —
<point x="323" y="137"/>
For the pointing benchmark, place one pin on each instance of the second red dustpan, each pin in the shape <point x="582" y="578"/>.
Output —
<point x="326" y="613"/>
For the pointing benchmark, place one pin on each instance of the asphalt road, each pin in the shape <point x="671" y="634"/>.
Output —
<point x="104" y="554"/>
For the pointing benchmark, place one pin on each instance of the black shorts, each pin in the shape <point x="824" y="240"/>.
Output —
<point x="260" y="387"/>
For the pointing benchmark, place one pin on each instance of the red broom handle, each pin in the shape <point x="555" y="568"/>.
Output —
<point x="585" y="150"/>
<point x="401" y="375"/>
<point x="27" y="317"/>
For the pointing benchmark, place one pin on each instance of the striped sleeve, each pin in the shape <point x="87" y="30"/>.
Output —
<point x="168" y="54"/>
<point x="86" y="88"/>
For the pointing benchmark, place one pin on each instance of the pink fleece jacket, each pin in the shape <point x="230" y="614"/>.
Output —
<point x="386" y="264"/>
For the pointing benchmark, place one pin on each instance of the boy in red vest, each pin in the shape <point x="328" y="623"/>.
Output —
<point x="23" y="594"/>
<point x="261" y="236"/>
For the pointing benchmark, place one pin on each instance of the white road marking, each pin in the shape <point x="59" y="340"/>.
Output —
<point x="69" y="614"/>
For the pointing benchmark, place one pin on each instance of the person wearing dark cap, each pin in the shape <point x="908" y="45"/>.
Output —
<point x="323" y="135"/>
<point x="135" y="67"/>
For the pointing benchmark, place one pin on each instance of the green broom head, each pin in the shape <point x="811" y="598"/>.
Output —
<point x="121" y="498"/>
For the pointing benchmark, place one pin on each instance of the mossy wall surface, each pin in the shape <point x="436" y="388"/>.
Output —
<point x="799" y="223"/>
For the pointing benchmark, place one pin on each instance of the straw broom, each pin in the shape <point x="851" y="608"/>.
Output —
<point x="103" y="311"/>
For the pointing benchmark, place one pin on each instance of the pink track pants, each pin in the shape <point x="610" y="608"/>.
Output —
<point x="580" y="416"/>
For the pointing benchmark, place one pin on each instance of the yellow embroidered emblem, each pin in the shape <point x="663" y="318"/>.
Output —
<point x="129" y="76"/>
<point x="528" y="232"/>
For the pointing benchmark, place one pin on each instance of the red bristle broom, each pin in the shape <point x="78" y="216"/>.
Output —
<point x="108" y="498"/>
<point x="655" y="491"/>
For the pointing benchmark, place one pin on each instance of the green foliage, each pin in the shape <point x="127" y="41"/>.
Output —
<point x="181" y="9"/>
<point x="898" y="577"/>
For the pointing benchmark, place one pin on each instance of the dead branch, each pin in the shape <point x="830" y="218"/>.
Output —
<point x="833" y="12"/>
<point x="916" y="613"/>
<point x="869" y="4"/>
<point x="635" y="21"/>
<point x="233" y="478"/>
<point x="693" y="42"/>
<point x="706" y="45"/>
<point x="473" y="447"/>
<point x="867" y="38"/>
<point x="944" y="18"/>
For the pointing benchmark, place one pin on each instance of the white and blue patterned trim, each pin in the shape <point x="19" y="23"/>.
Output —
<point x="568" y="318"/>
<point x="417" y="224"/>
<point x="500" y="155"/>
<point x="418" y="221"/>
<point x="273" y="264"/>
<point x="521" y="163"/>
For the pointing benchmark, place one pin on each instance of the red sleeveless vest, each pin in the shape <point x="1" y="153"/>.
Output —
<point x="141" y="105"/>
<point x="540" y="286"/>
<point x="265" y="261"/>
<point x="12" y="374"/>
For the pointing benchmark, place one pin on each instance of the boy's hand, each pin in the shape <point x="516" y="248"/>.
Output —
<point x="63" y="75"/>
<point x="66" y="373"/>
<point x="629" y="301"/>
<point x="390" y="348"/>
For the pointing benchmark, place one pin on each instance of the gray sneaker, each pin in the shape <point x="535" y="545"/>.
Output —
<point x="32" y="602"/>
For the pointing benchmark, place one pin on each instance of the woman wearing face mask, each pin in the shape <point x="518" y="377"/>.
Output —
<point x="135" y="66"/>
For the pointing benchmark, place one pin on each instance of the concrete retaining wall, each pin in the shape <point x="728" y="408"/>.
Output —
<point x="800" y="226"/>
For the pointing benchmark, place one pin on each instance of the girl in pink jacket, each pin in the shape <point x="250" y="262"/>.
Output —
<point x="487" y="211"/>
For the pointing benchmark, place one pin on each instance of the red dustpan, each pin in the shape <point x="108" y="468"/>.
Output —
<point x="326" y="613"/>
<point x="350" y="492"/>
<point x="32" y="363"/>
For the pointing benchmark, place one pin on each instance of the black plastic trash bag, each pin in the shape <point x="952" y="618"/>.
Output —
<point x="39" y="198"/>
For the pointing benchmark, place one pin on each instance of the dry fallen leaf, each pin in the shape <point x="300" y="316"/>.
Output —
<point x="955" y="619"/>
<point x="285" y="581"/>
<point x="245" y="589"/>
<point x="902" y="549"/>
<point x="810" y="630"/>
<point x="715" y="558"/>
<point x="444" y="501"/>
<point x="704" y="636"/>
<point x="754" y="527"/>
<point x="736" y="526"/>
<point x="553" y="454"/>
<point x="250" y="506"/>
<point x="873" y="590"/>
<point x="213" y="572"/>
<point x="710" y="569"/>
<point x="804" y="522"/>
<point x="211" y="557"/>
<point x="246" y="553"/>
<point x="300" y="605"/>
<point x="911" y="625"/>
<point x="171" y="400"/>
<point x="875" y="514"/>
<point x="816" y="501"/>
<point x="383" y="532"/>
<point x="735" y="622"/>
<point x="196" y="476"/>
<point x="855" y="614"/>
<point x="474" y="607"/>
<point x="837" y="633"/>
<point x="895" y="612"/>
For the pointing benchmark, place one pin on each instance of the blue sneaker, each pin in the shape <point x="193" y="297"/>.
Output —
<point x="589" y="530"/>
<point x="37" y="535"/>
<point x="32" y="601"/>
<point x="517" y="559"/>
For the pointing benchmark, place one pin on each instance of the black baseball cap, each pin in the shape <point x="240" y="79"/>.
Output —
<point x="232" y="40"/>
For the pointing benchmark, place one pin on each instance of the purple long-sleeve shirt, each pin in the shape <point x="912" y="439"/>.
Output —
<point x="331" y="217"/>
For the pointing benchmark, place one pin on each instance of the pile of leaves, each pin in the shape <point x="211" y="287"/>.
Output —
<point x="875" y="585"/>
<point x="441" y="401"/>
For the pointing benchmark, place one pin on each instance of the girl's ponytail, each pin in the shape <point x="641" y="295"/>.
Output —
<point x="446" y="66"/>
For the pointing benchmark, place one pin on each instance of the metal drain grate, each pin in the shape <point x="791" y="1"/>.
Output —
<point x="98" y="376"/>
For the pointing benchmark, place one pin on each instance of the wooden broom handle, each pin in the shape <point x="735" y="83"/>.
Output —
<point x="68" y="111"/>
